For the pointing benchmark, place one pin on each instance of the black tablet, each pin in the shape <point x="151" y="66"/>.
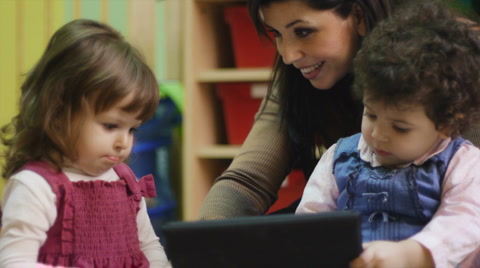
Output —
<point x="329" y="239"/>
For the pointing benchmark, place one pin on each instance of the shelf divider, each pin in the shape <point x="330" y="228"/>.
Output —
<point x="235" y="75"/>
<point x="219" y="151"/>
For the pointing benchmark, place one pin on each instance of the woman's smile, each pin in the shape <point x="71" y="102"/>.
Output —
<point x="306" y="70"/>
<point x="312" y="71"/>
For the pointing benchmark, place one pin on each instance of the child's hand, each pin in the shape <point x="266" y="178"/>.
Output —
<point x="406" y="253"/>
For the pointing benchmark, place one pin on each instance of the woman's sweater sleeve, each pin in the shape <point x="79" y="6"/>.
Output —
<point x="473" y="134"/>
<point x="250" y="185"/>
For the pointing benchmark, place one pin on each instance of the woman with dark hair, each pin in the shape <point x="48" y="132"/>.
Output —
<point x="309" y="105"/>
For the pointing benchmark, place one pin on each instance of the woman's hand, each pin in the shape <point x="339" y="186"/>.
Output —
<point x="406" y="253"/>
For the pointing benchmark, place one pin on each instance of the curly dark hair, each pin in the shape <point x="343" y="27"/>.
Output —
<point x="426" y="54"/>
<point x="87" y="64"/>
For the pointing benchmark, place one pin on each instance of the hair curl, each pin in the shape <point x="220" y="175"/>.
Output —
<point x="426" y="54"/>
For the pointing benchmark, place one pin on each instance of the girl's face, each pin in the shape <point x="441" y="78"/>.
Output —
<point x="105" y="139"/>
<point x="398" y="135"/>
<point x="319" y="43"/>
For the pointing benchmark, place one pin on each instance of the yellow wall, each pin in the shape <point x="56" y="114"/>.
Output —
<point x="27" y="25"/>
<point x="8" y="64"/>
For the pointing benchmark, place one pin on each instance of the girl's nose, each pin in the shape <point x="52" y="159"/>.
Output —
<point x="379" y="135"/>
<point x="122" y="141"/>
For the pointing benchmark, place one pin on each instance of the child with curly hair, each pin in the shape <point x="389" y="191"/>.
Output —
<point x="409" y="173"/>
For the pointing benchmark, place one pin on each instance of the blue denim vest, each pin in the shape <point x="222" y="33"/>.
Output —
<point x="395" y="203"/>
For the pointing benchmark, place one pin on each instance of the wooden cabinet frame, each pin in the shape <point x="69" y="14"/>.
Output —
<point x="208" y="59"/>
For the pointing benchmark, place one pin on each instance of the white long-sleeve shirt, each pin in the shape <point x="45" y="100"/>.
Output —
<point x="29" y="210"/>
<point x="454" y="231"/>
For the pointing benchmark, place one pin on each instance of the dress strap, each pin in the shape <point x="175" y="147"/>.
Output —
<point x="145" y="186"/>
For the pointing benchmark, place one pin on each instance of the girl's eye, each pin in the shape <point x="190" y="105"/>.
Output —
<point x="370" y="116"/>
<point x="302" y="32"/>
<point x="110" y="126"/>
<point x="133" y="130"/>
<point x="401" y="130"/>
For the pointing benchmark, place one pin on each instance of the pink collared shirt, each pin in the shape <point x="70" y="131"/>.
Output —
<point x="454" y="231"/>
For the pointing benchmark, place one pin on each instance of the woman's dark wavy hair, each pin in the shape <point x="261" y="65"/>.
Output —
<point x="426" y="54"/>
<point x="318" y="117"/>
<point x="86" y="64"/>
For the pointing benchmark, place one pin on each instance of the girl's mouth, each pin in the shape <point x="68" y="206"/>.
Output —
<point x="382" y="153"/>
<point x="113" y="158"/>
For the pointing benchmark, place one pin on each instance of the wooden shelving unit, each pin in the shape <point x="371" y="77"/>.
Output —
<point x="208" y="59"/>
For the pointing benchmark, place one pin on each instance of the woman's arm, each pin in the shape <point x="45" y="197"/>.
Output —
<point x="250" y="185"/>
<point x="473" y="134"/>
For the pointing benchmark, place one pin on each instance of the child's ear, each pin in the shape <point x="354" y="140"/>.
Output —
<point x="443" y="135"/>
<point x="444" y="132"/>
<point x="447" y="131"/>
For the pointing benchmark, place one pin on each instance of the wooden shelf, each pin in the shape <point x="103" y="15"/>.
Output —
<point x="221" y="1"/>
<point x="235" y="75"/>
<point x="219" y="151"/>
<point x="208" y="59"/>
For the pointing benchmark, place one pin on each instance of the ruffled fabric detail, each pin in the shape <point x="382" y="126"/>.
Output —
<point x="96" y="220"/>
<point x="67" y="230"/>
<point x="137" y="261"/>
<point x="147" y="186"/>
<point x="143" y="187"/>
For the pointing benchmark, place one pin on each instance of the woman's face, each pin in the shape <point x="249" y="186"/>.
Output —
<point x="319" y="43"/>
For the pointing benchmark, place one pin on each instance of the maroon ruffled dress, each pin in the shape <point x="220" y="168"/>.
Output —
<point x="96" y="224"/>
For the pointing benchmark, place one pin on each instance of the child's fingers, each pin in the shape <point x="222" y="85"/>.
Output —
<point x="364" y="259"/>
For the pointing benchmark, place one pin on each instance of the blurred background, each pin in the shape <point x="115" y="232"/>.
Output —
<point x="153" y="26"/>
